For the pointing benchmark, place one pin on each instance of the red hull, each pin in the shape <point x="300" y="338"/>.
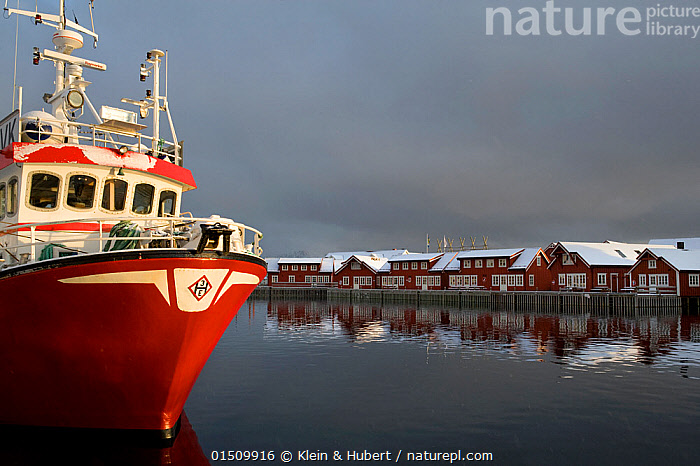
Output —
<point x="116" y="341"/>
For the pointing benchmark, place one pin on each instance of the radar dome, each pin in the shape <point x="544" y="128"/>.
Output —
<point x="41" y="127"/>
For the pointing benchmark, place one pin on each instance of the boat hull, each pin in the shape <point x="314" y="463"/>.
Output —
<point x="114" y="340"/>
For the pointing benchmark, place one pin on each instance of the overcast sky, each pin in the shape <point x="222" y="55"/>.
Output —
<point x="367" y="124"/>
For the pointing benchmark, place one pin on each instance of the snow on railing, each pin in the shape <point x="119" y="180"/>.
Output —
<point x="102" y="135"/>
<point x="23" y="243"/>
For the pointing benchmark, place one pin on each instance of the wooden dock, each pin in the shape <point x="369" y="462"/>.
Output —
<point x="541" y="301"/>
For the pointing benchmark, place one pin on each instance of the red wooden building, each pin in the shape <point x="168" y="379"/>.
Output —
<point x="667" y="271"/>
<point x="410" y="272"/>
<point x="530" y="272"/>
<point x="446" y="267"/>
<point x="593" y="266"/>
<point x="305" y="271"/>
<point x="359" y="271"/>
<point x="487" y="269"/>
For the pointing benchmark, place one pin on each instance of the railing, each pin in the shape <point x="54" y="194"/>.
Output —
<point x="101" y="136"/>
<point x="19" y="242"/>
<point x="656" y="289"/>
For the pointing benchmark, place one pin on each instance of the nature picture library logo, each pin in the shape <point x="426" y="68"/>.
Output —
<point x="553" y="19"/>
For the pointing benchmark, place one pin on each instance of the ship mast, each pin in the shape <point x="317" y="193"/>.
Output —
<point x="69" y="92"/>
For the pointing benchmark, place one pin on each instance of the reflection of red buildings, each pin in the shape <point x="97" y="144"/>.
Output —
<point x="560" y="335"/>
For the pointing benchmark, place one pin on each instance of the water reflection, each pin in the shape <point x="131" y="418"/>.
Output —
<point x="578" y="341"/>
<point x="34" y="446"/>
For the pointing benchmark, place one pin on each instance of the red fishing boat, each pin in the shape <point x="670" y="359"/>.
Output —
<point x="112" y="298"/>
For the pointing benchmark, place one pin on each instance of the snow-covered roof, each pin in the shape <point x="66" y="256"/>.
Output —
<point x="412" y="256"/>
<point x="479" y="253"/>
<point x="300" y="260"/>
<point x="688" y="243"/>
<point x="327" y="265"/>
<point x="525" y="258"/>
<point x="608" y="253"/>
<point x="272" y="264"/>
<point x="680" y="259"/>
<point x="345" y="255"/>
<point x="373" y="262"/>
<point x="446" y="263"/>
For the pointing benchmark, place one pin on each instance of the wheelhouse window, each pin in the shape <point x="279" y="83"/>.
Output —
<point x="114" y="195"/>
<point x="3" y="199"/>
<point x="81" y="191"/>
<point x="166" y="203"/>
<point x="12" y="197"/>
<point x="43" y="191"/>
<point x="143" y="198"/>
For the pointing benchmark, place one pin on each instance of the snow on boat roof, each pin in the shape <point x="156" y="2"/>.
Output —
<point x="23" y="152"/>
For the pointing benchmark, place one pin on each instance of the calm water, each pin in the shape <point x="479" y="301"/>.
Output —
<point x="528" y="388"/>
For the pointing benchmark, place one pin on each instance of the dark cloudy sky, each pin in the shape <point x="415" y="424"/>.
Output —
<point x="367" y="124"/>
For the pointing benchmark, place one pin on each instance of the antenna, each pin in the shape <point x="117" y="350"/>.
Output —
<point x="153" y="101"/>
<point x="68" y="68"/>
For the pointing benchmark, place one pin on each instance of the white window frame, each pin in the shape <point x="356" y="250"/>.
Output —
<point x="424" y="266"/>
<point x="346" y="281"/>
<point x="478" y="263"/>
<point x="414" y="265"/>
<point x="404" y="265"/>
<point x="602" y="279"/>
<point x="467" y="264"/>
<point x="502" y="263"/>
<point x="284" y="267"/>
<point x="490" y="263"/>
<point x="642" y="279"/>
<point x="531" y="280"/>
<point x="576" y="280"/>
<point x="694" y="279"/>
<point x="652" y="264"/>
<point x="395" y="266"/>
